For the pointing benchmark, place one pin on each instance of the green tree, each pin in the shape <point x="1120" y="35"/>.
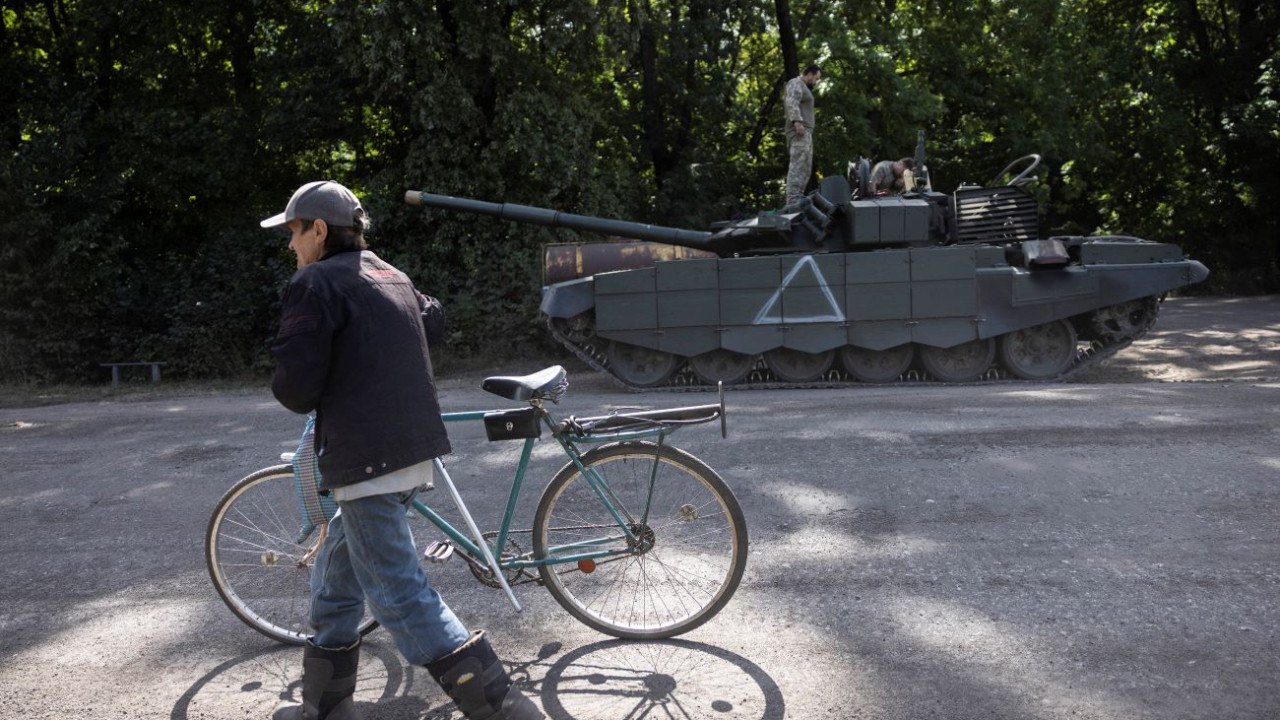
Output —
<point x="140" y="142"/>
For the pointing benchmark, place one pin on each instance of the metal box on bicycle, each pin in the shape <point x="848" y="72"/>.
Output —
<point x="515" y="424"/>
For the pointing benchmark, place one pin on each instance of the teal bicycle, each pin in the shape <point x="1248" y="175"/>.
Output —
<point x="633" y="537"/>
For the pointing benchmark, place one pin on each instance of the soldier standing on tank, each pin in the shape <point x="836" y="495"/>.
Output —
<point x="797" y="101"/>
<point x="886" y="176"/>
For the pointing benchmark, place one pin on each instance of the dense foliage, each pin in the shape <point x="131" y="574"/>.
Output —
<point x="141" y="141"/>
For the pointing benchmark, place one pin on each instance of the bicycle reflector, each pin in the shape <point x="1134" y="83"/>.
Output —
<point x="587" y="565"/>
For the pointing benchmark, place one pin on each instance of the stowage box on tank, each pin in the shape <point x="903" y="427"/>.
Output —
<point x="846" y="286"/>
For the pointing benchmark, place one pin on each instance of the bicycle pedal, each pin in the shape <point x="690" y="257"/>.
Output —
<point x="437" y="552"/>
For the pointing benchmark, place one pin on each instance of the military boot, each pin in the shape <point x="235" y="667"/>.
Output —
<point x="328" y="683"/>
<point x="474" y="678"/>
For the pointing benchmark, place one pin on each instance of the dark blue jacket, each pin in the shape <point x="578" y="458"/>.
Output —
<point x="352" y="347"/>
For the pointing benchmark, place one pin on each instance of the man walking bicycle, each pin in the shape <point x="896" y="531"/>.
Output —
<point x="353" y="348"/>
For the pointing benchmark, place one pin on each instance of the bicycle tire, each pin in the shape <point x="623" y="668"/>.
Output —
<point x="696" y="540"/>
<point x="254" y="560"/>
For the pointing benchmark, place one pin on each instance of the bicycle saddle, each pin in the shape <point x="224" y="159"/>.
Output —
<point x="551" y="383"/>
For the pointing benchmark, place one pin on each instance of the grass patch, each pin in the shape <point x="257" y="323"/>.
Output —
<point x="33" y="395"/>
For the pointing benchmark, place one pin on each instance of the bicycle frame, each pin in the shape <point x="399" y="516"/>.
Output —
<point x="568" y="442"/>
<point x="568" y="433"/>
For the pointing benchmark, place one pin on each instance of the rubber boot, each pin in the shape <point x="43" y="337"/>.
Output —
<point x="474" y="678"/>
<point x="328" y="683"/>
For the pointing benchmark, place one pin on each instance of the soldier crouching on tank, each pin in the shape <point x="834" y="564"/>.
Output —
<point x="345" y="351"/>
<point x="887" y="175"/>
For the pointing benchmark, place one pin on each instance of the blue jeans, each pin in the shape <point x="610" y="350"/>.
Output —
<point x="368" y="556"/>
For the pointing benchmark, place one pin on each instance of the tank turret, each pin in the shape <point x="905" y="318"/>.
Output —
<point x="847" y="286"/>
<point x="830" y="219"/>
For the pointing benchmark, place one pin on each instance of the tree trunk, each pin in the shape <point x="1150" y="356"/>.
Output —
<point x="653" y="139"/>
<point x="239" y="16"/>
<point x="786" y="40"/>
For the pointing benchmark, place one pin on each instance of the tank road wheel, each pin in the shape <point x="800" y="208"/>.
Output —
<point x="877" y="366"/>
<point x="722" y="365"/>
<point x="1040" y="352"/>
<point x="963" y="363"/>
<point x="798" y="366"/>
<point x="641" y="367"/>
<point x="1125" y="320"/>
<point x="578" y="329"/>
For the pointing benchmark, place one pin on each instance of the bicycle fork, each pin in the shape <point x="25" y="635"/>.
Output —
<point x="475" y="533"/>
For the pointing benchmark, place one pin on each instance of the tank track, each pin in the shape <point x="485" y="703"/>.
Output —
<point x="761" y="378"/>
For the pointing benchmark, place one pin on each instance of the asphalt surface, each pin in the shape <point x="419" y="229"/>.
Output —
<point x="1105" y="548"/>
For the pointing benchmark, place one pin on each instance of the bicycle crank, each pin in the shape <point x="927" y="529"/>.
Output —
<point x="514" y="576"/>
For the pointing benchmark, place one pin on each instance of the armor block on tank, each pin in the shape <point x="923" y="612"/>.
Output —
<point x="943" y="282"/>
<point x="688" y="293"/>
<point x="809" y="302"/>
<point x="944" y="296"/>
<point x="626" y="300"/>
<point x="688" y="306"/>
<point x="745" y="287"/>
<point x="864" y="217"/>
<point x="878" y="286"/>
<point x="889" y="221"/>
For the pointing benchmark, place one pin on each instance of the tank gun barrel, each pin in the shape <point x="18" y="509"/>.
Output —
<point x="555" y="219"/>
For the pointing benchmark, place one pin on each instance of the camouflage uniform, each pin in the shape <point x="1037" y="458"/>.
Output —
<point x="797" y="101"/>
<point x="883" y="177"/>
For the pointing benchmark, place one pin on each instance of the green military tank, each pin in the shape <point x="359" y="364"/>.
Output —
<point x="850" y="287"/>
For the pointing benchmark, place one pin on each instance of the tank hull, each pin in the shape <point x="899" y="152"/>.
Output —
<point x="949" y="313"/>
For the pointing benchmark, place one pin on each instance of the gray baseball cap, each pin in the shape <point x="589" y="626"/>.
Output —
<point x="321" y="200"/>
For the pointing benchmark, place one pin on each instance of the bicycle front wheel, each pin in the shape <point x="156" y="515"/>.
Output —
<point x="685" y="557"/>
<point x="259" y="553"/>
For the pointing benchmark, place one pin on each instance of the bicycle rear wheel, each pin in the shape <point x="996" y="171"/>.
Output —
<point x="687" y="558"/>
<point x="259" y="556"/>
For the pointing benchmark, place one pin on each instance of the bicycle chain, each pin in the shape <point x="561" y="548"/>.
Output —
<point x="485" y="575"/>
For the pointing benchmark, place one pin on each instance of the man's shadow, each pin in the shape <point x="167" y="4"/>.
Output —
<point x="602" y="680"/>
<point x="257" y="683"/>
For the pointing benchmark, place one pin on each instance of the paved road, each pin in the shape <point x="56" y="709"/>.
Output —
<point x="1107" y="548"/>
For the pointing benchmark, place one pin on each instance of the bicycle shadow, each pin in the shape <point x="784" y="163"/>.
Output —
<point x="659" y="678"/>
<point x="606" y="679"/>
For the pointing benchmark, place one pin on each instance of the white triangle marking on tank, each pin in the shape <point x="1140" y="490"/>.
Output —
<point x="764" y="318"/>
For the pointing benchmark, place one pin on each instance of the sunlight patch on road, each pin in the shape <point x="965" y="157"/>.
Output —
<point x="1077" y="394"/>
<point x="118" y="622"/>
<point x="35" y="496"/>
<point x="807" y="499"/>
<point x="991" y="653"/>
<point x="1239" y="366"/>
<point x="830" y="547"/>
